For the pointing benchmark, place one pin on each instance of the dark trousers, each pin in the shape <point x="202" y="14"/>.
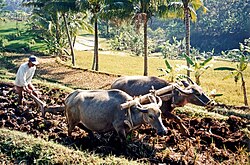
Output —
<point x="20" y="91"/>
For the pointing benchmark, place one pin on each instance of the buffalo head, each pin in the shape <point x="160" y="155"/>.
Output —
<point x="152" y="114"/>
<point x="192" y="93"/>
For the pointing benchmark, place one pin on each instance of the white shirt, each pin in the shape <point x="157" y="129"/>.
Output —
<point x="24" y="75"/>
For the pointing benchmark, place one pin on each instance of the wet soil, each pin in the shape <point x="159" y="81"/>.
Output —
<point x="211" y="141"/>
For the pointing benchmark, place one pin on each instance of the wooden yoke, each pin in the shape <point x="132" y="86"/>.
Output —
<point x="144" y="98"/>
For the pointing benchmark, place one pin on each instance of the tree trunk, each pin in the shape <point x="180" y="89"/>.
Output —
<point x="187" y="24"/>
<point x="95" y="61"/>
<point x="74" y="41"/>
<point x="69" y="40"/>
<point x="107" y="29"/>
<point x="58" y="36"/>
<point x="145" y="46"/>
<point x="244" y="90"/>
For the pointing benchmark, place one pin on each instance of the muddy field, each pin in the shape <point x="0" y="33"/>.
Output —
<point x="210" y="142"/>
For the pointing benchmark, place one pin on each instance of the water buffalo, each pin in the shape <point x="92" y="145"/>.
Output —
<point x="140" y="85"/>
<point x="100" y="111"/>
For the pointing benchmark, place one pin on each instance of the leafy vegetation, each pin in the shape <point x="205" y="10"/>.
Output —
<point x="224" y="21"/>
<point x="241" y="55"/>
<point x="172" y="72"/>
<point x="199" y="67"/>
<point x="16" y="37"/>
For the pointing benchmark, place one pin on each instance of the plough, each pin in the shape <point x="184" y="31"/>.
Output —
<point x="44" y="107"/>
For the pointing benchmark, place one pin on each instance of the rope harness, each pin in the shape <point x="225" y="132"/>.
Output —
<point x="129" y="121"/>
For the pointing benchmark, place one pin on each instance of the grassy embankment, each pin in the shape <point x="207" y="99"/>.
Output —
<point x="17" y="148"/>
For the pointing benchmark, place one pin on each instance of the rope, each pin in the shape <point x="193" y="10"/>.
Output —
<point x="129" y="121"/>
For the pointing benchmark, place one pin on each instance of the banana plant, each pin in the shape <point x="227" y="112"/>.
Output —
<point x="172" y="72"/>
<point x="197" y="67"/>
<point x="238" y="73"/>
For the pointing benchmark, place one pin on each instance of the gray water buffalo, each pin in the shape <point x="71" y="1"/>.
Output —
<point x="141" y="85"/>
<point x="100" y="111"/>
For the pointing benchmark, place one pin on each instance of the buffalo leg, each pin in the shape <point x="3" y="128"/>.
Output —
<point x="177" y="119"/>
<point x="120" y="130"/>
<point x="71" y="126"/>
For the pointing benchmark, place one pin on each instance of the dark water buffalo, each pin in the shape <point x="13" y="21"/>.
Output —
<point x="140" y="85"/>
<point x="100" y="111"/>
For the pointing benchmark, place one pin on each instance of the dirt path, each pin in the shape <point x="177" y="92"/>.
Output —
<point x="83" y="43"/>
<point x="52" y="70"/>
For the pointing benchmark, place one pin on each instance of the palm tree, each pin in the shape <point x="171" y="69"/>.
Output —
<point x="111" y="10"/>
<point x="95" y="7"/>
<point x="63" y="8"/>
<point x="67" y="10"/>
<point x="144" y="11"/>
<point x="140" y="11"/>
<point x="189" y="7"/>
<point x="185" y="9"/>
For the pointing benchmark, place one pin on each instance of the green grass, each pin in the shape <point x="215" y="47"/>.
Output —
<point x="17" y="147"/>
<point x="19" y="39"/>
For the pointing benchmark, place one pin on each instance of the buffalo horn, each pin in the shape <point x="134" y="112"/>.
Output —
<point x="185" y="91"/>
<point x="185" y="83"/>
<point x="189" y="79"/>
<point x="160" y="101"/>
<point x="141" y="108"/>
<point x="153" y="99"/>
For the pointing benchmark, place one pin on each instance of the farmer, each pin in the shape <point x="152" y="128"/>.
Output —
<point x="23" y="79"/>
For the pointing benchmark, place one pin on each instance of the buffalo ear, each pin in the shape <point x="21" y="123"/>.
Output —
<point x="185" y="83"/>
